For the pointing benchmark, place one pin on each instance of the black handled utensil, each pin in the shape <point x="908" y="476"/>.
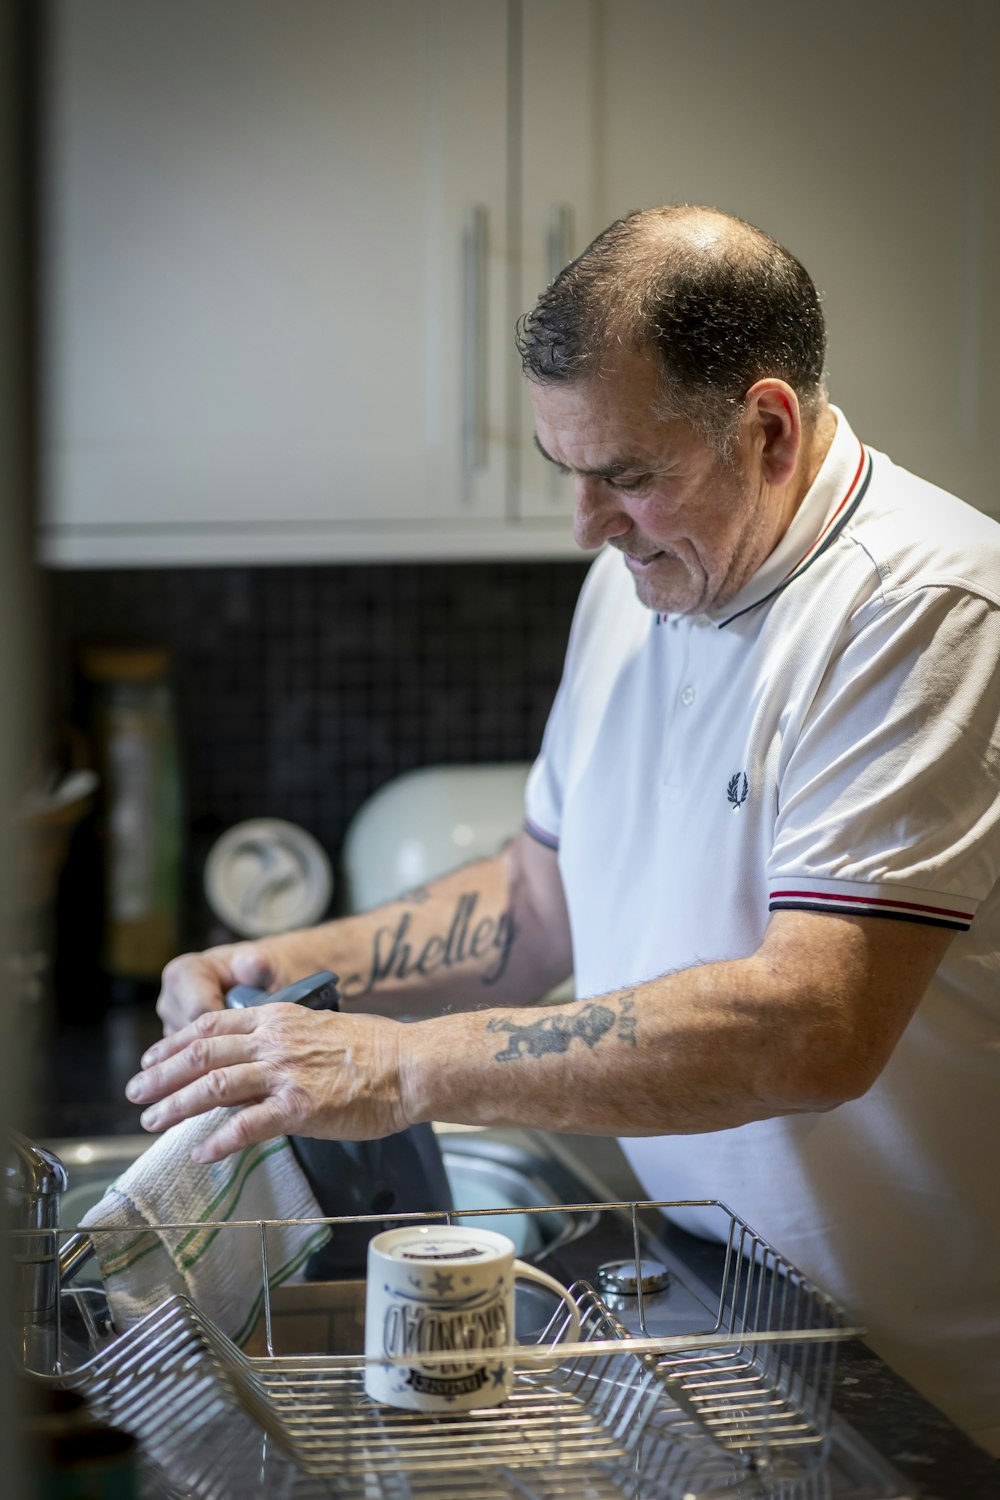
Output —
<point x="315" y="992"/>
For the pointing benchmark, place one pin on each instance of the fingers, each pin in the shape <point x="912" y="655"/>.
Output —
<point x="232" y="1086"/>
<point x="195" y="983"/>
<point x="201" y="1056"/>
<point x="222" y="1059"/>
<point x="191" y="984"/>
<point x="247" y="1127"/>
<point x="225" y="1058"/>
<point x="250" y="966"/>
<point x="285" y="1069"/>
<point x="214" y="1023"/>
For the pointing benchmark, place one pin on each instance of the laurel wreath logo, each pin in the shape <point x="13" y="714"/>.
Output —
<point x="737" y="790"/>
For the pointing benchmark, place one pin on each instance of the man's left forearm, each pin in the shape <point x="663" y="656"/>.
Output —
<point x="649" y="1060"/>
<point x="803" y="1024"/>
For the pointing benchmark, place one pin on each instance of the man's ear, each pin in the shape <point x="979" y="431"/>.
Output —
<point x="774" y="422"/>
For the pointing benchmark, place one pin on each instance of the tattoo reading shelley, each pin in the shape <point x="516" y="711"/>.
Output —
<point x="591" y="1024"/>
<point x="396" y="955"/>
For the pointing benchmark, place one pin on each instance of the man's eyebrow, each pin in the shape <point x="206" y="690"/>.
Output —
<point x="607" y="471"/>
<point x="547" y="456"/>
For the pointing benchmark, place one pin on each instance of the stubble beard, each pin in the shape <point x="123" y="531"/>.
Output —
<point x="679" y="587"/>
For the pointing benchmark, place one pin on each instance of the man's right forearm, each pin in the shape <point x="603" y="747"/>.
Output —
<point x="492" y="933"/>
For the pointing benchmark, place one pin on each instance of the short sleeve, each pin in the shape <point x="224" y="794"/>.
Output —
<point x="889" y="795"/>
<point x="543" y="799"/>
<point x="548" y="778"/>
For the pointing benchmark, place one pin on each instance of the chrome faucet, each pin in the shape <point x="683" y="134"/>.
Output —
<point x="34" y="1180"/>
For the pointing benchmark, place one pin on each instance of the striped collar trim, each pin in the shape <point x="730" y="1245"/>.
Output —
<point x="835" y="524"/>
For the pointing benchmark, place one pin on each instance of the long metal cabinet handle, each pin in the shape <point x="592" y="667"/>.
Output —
<point x="475" y="244"/>
<point x="560" y="240"/>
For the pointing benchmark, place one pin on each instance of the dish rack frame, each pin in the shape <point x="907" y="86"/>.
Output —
<point x="740" y="1406"/>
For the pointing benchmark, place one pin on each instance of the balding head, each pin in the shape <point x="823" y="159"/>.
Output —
<point x="720" y="303"/>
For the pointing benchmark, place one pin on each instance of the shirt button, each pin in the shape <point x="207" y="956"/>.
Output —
<point x="688" y="697"/>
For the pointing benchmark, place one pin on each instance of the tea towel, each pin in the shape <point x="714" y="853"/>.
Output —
<point x="167" y="1225"/>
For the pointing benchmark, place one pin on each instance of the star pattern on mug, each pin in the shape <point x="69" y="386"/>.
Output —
<point x="442" y="1283"/>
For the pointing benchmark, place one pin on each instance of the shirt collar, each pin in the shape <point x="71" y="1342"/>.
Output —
<point x="825" y="509"/>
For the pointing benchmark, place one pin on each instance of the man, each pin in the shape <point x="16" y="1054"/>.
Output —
<point x="763" y="830"/>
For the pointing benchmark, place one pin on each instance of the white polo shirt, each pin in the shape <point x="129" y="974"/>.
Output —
<point x="828" y="741"/>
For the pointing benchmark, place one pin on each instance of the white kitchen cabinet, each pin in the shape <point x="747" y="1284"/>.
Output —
<point x="865" y="137"/>
<point x="277" y="280"/>
<point x="559" y="122"/>
<point x="272" y="332"/>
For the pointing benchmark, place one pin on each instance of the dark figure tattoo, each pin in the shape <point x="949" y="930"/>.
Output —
<point x="627" y="1021"/>
<point x="556" y="1033"/>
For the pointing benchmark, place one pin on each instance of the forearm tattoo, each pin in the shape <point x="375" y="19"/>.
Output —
<point x="595" y="1022"/>
<point x="396" y="955"/>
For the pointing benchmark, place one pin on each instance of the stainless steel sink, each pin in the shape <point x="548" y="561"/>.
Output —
<point x="501" y="1178"/>
<point x="505" y="1170"/>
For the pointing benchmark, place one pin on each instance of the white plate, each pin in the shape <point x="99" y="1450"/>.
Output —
<point x="266" y="875"/>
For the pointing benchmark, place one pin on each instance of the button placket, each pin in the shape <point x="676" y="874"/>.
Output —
<point x="680" y="695"/>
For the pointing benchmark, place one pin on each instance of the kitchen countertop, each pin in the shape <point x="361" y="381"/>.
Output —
<point x="82" y="1075"/>
<point x="937" y="1459"/>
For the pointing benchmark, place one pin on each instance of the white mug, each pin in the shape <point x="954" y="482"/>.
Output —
<point x="433" y="1289"/>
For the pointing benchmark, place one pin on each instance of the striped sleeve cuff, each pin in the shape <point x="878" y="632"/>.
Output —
<point x="548" y="839"/>
<point x="858" y="899"/>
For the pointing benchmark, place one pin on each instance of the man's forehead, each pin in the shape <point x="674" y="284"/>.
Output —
<point x="594" y="428"/>
<point x="597" y="402"/>
<point x="610" y="470"/>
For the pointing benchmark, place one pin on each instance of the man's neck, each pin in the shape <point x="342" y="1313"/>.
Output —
<point x="816" y="440"/>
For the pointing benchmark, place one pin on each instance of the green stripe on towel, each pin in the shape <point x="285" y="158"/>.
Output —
<point x="192" y="1247"/>
<point x="115" y="1265"/>
<point x="194" y="1244"/>
<point x="282" y="1274"/>
<point x="242" y="1166"/>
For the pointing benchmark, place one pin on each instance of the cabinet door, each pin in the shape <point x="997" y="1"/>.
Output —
<point x="559" y="158"/>
<point x="276" y="275"/>
<point x="864" y="137"/>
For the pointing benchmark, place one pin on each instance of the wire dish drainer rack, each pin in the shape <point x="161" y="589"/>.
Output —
<point x="737" y="1407"/>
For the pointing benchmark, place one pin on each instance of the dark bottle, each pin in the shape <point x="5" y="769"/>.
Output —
<point x="133" y="727"/>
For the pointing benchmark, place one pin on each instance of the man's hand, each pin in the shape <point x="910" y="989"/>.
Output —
<point x="196" y="983"/>
<point x="289" y="1071"/>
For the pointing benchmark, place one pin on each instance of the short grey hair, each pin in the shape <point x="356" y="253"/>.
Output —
<point x="720" y="302"/>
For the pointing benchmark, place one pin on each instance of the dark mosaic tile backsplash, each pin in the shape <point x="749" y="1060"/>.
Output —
<point x="301" y="690"/>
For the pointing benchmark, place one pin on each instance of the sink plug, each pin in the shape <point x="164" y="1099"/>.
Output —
<point x="627" y="1278"/>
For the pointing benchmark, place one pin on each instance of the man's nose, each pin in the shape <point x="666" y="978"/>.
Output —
<point x="597" y="514"/>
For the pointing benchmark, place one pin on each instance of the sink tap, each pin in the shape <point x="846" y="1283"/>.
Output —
<point x="34" y="1180"/>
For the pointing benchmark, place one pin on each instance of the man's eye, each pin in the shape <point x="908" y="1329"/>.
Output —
<point x="635" y="483"/>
